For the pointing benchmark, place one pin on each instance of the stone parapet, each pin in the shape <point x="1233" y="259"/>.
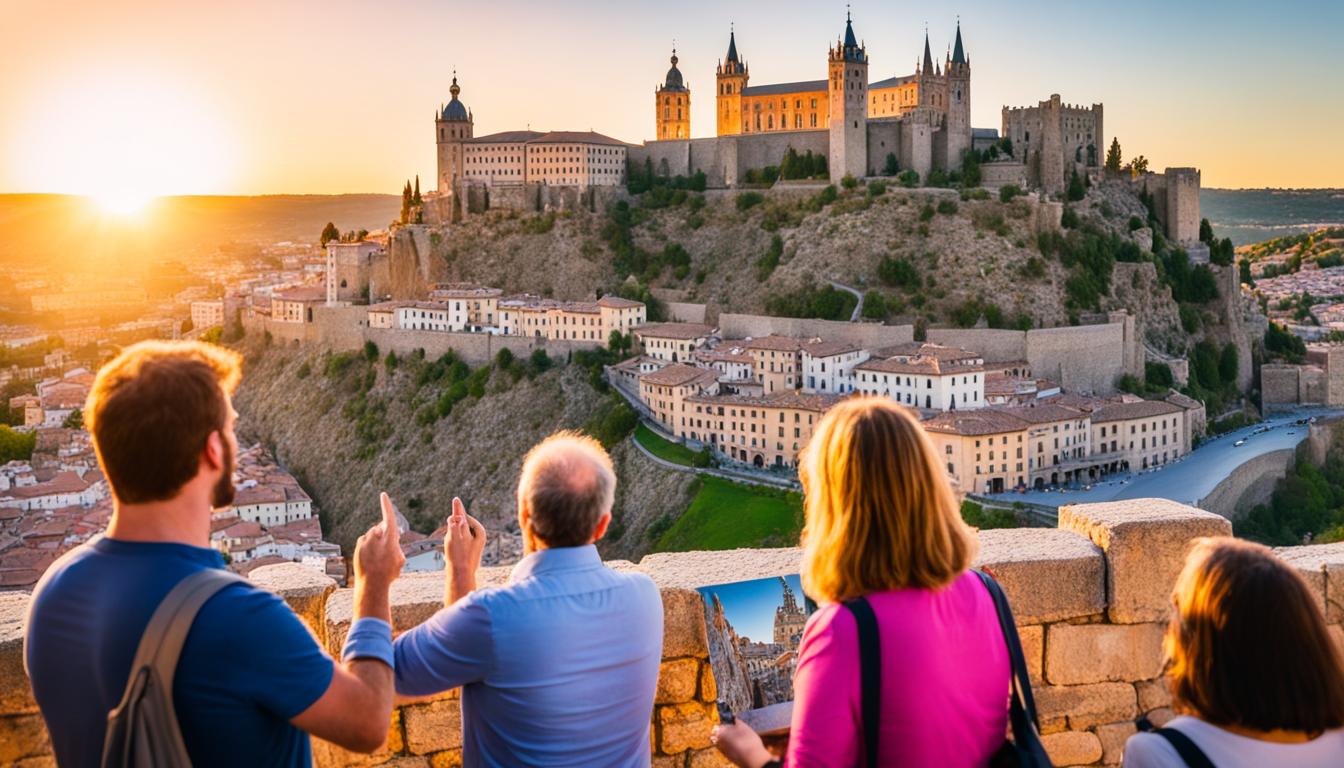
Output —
<point x="1090" y="599"/>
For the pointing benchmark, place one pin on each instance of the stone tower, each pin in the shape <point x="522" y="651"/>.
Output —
<point x="732" y="78"/>
<point x="928" y="77"/>
<point x="1050" y="155"/>
<point x="1183" y="205"/>
<point x="848" y="91"/>
<point x="672" y="105"/>
<point x="958" y="124"/>
<point x="789" y="619"/>
<point x="453" y="125"/>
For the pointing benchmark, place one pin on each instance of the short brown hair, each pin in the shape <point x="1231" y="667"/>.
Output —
<point x="567" y="484"/>
<point x="1247" y="645"/>
<point x="879" y="511"/>
<point x="151" y="410"/>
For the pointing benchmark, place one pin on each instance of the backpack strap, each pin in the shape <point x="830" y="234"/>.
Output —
<point x="870" y="674"/>
<point x="161" y="643"/>
<point x="1193" y="756"/>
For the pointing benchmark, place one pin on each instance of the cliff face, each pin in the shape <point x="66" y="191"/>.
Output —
<point x="345" y="447"/>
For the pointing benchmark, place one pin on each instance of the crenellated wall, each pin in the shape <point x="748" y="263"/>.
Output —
<point x="1090" y="597"/>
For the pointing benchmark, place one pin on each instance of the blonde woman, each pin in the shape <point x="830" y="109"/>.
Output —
<point x="882" y="524"/>
<point x="1253" y="671"/>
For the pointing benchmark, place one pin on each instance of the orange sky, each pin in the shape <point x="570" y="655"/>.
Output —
<point x="259" y="96"/>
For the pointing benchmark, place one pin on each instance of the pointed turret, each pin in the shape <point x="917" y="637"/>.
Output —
<point x="732" y="48"/>
<point x="958" y="52"/>
<point x="928" y="56"/>
<point x="850" y="41"/>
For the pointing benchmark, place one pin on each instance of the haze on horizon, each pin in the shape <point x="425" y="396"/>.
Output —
<point x="154" y="97"/>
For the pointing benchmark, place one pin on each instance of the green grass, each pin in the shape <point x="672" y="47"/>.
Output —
<point x="727" y="515"/>
<point x="663" y="448"/>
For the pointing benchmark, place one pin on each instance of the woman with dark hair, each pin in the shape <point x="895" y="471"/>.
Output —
<point x="1253" y="672"/>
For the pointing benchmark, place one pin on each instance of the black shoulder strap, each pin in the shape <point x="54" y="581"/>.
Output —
<point x="1193" y="756"/>
<point x="1021" y="681"/>
<point x="870" y="675"/>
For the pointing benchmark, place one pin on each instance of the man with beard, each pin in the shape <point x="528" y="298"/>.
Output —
<point x="251" y="680"/>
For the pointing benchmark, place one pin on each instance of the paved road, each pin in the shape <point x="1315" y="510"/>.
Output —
<point x="1194" y="476"/>
<point x="858" y="308"/>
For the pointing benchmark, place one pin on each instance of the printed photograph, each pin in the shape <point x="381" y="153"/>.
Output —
<point x="754" y="628"/>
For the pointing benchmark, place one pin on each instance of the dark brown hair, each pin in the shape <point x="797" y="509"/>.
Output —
<point x="1248" y="645"/>
<point x="151" y="410"/>
<point x="567" y="484"/>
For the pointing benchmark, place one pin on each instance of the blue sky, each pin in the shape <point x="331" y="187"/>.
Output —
<point x="750" y="605"/>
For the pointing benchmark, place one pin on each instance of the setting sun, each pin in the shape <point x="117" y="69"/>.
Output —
<point x="121" y="202"/>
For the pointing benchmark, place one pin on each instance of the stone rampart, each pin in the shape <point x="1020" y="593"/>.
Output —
<point x="995" y="175"/>
<point x="342" y="329"/>
<point x="1090" y="597"/>
<point x="872" y="335"/>
<point x="1253" y="483"/>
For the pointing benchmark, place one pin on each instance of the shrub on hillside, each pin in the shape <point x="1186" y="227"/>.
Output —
<point x="1008" y="191"/>
<point x="748" y="200"/>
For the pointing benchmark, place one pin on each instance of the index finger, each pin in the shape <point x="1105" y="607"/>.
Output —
<point x="389" y="514"/>
<point x="459" y="510"/>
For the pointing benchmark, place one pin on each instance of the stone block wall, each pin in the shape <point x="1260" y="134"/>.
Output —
<point x="1090" y="599"/>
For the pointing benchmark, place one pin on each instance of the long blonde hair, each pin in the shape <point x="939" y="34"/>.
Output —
<point x="880" y="513"/>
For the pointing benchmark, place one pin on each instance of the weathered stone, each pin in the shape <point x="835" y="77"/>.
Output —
<point x="1095" y="653"/>
<point x="1113" y="738"/>
<point x="688" y="570"/>
<point x="1033" y="648"/>
<point x="1160" y="717"/>
<point x="303" y="588"/>
<point x="411" y="761"/>
<point x="1323" y="566"/>
<point x="328" y="755"/>
<point x="1145" y="541"/>
<point x="1153" y="694"/>
<point x="433" y="727"/>
<point x="15" y="694"/>
<point x="708" y="758"/>
<point x="41" y="761"/>
<point x="22" y="736"/>
<point x="1086" y="705"/>
<point x="1072" y="747"/>
<point x="685" y="726"/>
<point x="684" y="624"/>
<point x="415" y="597"/>
<point x="1047" y="574"/>
<point x="677" y="680"/>
<point x="451" y="758"/>
<point x="709" y="690"/>
<point x="669" y="761"/>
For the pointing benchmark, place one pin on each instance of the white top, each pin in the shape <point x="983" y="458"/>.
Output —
<point x="1228" y="750"/>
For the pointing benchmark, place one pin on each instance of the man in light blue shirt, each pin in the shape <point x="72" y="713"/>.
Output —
<point x="559" y="667"/>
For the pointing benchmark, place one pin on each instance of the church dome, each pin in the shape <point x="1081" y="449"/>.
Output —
<point x="455" y="110"/>
<point x="673" y="81"/>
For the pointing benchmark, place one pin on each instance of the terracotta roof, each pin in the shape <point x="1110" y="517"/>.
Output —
<point x="819" y="348"/>
<point x="311" y="293"/>
<point x="775" y="343"/>
<point x="65" y="482"/>
<point x="464" y="291"/>
<point x="677" y="375"/>
<point x="984" y="421"/>
<point x="683" y="331"/>
<point x="1141" y="410"/>
<point x="1183" y="401"/>
<point x="617" y="302"/>
<point x="1042" y="413"/>
<point x="790" y="398"/>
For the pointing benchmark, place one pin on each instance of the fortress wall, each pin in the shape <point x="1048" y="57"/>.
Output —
<point x="993" y="344"/>
<point x="734" y="326"/>
<point x="1087" y="358"/>
<point x="1279" y="385"/>
<point x="757" y="150"/>
<point x="884" y="137"/>
<point x="1253" y="483"/>
<point x="995" y="175"/>
<point x="1090" y="597"/>
<point x="684" y="312"/>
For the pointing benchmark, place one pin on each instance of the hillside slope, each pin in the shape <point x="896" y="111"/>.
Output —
<point x="349" y="428"/>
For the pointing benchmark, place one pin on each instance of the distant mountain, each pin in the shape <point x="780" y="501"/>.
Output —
<point x="68" y="228"/>
<point x="1253" y="215"/>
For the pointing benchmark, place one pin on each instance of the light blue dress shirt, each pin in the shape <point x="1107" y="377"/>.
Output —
<point x="558" y="668"/>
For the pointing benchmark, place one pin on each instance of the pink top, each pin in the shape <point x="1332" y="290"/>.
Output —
<point x="944" y="698"/>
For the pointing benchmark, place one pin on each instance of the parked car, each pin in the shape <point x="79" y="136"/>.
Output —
<point x="1239" y="443"/>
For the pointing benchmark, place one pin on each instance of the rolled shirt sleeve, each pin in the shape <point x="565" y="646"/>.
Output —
<point x="453" y="648"/>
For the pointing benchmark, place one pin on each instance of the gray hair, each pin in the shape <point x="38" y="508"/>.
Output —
<point x="567" y="485"/>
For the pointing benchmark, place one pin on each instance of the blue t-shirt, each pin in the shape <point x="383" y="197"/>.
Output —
<point x="248" y="665"/>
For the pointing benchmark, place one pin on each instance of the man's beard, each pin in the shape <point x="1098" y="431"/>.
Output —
<point x="223" y="493"/>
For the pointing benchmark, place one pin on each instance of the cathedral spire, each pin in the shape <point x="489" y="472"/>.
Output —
<point x="928" y="56"/>
<point x="732" y="46"/>
<point x="958" y="52"/>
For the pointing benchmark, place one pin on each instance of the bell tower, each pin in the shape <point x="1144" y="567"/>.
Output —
<point x="672" y="105"/>
<point x="847" y="65"/>
<point x="452" y="125"/>
<point x="958" y="73"/>
<point x="731" y="77"/>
